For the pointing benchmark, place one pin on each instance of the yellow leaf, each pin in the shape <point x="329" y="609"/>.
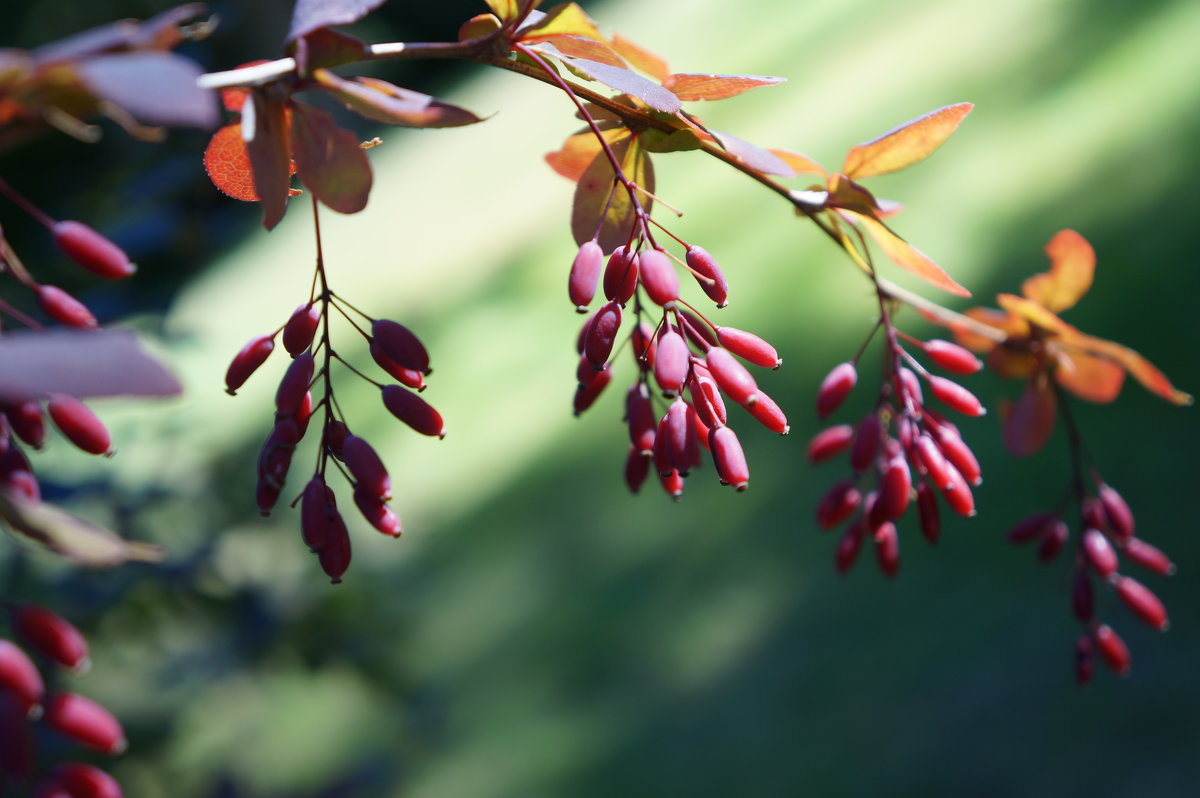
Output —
<point x="905" y="145"/>
<point x="1072" y="263"/>
<point x="507" y="10"/>
<point x="908" y="256"/>
<point x="567" y="19"/>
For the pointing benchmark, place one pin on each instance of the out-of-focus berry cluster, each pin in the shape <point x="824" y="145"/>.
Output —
<point x="1108" y="532"/>
<point x="33" y="707"/>
<point x="902" y="453"/>
<point x="694" y="364"/>
<point x="401" y="356"/>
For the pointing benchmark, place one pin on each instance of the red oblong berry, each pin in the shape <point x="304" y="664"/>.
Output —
<point x="706" y="397"/>
<point x="300" y="329"/>
<point x="247" y="361"/>
<point x="400" y="344"/>
<point x="731" y="375"/>
<point x="1083" y="601"/>
<point x="658" y="276"/>
<point x="85" y="721"/>
<point x="51" y="635"/>
<point x="867" y="439"/>
<point x="1116" y="512"/>
<point x="27" y="422"/>
<point x="366" y="467"/>
<point x="911" y="386"/>
<point x="79" y="424"/>
<point x="1112" y="649"/>
<point x="955" y="396"/>
<point x="91" y="250"/>
<point x="672" y="484"/>
<point x="835" y="388"/>
<point x="849" y="544"/>
<point x="19" y="676"/>
<point x="334" y="556"/>
<point x="333" y="437"/>
<point x="838" y="504"/>
<point x="1149" y="557"/>
<point x="637" y="468"/>
<point x="959" y="454"/>
<point x="586" y="395"/>
<point x="621" y="275"/>
<point x="1099" y="552"/>
<point x="671" y="362"/>
<point x="1053" y="540"/>
<point x="708" y="274"/>
<point x="294" y="384"/>
<point x="958" y="495"/>
<point x="64" y="308"/>
<point x="16" y="741"/>
<point x="275" y="457"/>
<point x="24" y="483"/>
<point x="895" y="488"/>
<point x="410" y="377"/>
<point x="639" y="414"/>
<point x="378" y="514"/>
<point x="673" y="430"/>
<point x="1142" y="602"/>
<point x="931" y="457"/>
<point x="413" y="411"/>
<point x="952" y="357"/>
<point x="1083" y="659"/>
<point x="767" y="412"/>
<point x="313" y="512"/>
<point x="927" y="512"/>
<point x="697" y="331"/>
<point x="887" y="549"/>
<point x="602" y="333"/>
<point x="729" y="458"/>
<point x="585" y="275"/>
<point x="85" y="781"/>
<point x="749" y="347"/>
<point x="1031" y="528"/>
<point x="830" y="442"/>
<point x="643" y="346"/>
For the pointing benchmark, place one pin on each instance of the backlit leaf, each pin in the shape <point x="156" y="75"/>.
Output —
<point x="1089" y="377"/>
<point x="844" y="193"/>
<point x="752" y="155"/>
<point x="799" y="163"/>
<point x="579" y="151"/>
<point x="579" y="47"/>
<point x="329" y="160"/>
<point x="1011" y="364"/>
<point x="1012" y="326"/>
<point x="905" y="145"/>
<point x="1072" y="264"/>
<point x="479" y="26"/>
<point x="1030" y="421"/>
<point x="626" y="82"/>
<point x="269" y="152"/>
<point x="507" y="10"/>
<point x="641" y="58"/>
<point x="78" y="540"/>
<point x="79" y="363"/>
<point x="654" y="140"/>
<point x="393" y="105"/>
<point x="592" y="195"/>
<point x="1138" y="367"/>
<point x="155" y="88"/>
<point x="228" y="164"/>
<point x="909" y="257"/>
<point x="567" y="19"/>
<point x="1035" y="314"/>
<point x="309" y="15"/>
<point x="697" y="86"/>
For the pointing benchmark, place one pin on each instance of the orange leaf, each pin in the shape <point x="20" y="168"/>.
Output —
<point x="1012" y="326"/>
<point x="1035" y="314"/>
<point x="1072" y="263"/>
<point x="844" y="193"/>
<point x="579" y="151"/>
<point x="641" y="58"/>
<point x="580" y="47"/>
<point x="696" y="86"/>
<point x="1011" y="364"/>
<point x="905" y="145"/>
<point x="1030" y="421"/>
<point x="601" y="207"/>
<point x="228" y="165"/>
<point x="909" y="257"/>
<point x="1089" y="377"/>
<point x="801" y="164"/>
<point x="1139" y="368"/>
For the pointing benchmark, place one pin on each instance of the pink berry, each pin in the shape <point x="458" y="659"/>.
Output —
<point x="829" y="443"/>
<point x="749" y="347"/>
<point x="1099" y="552"/>
<point x="955" y="396"/>
<point x="1116" y="512"/>
<point x="730" y="375"/>
<point x="1149" y="557"/>
<point x="1142" y="602"/>
<point x="585" y="275"/>
<point x="767" y="412"/>
<point x="671" y="362"/>
<point x="19" y="676"/>
<point x="708" y="274"/>
<point x="952" y="357"/>
<point x="729" y="458"/>
<point x="1112" y="649"/>
<point x="658" y="276"/>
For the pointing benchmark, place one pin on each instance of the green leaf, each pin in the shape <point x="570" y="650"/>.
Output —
<point x="696" y="86"/>
<point x="654" y="140"/>
<point x="329" y="160"/>
<point x="383" y="102"/>
<point x="905" y="145"/>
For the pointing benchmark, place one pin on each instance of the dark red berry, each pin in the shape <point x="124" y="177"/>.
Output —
<point x="621" y="275"/>
<point x="378" y="514"/>
<point x="294" y="384"/>
<point x="19" y="676"/>
<point x="91" y="250"/>
<point x="835" y="388"/>
<point x="602" y="333"/>
<point x="585" y="274"/>
<point x="708" y="274"/>
<point x="84" y="781"/>
<point x="85" y="721"/>
<point x="1142" y="602"/>
<point x="1112" y="649"/>
<point x="51" y="635"/>
<point x="413" y="411"/>
<point x="366" y="467"/>
<point x="955" y="396"/>
<point x="729" y="458"/>
<point x="731" y="375"/>
<point x="79" y="424"/>
<point x="952" y="357"/>
<point x="247" y="361"/>
<point x="300" y="329"/>
<point x="400" y="345"/>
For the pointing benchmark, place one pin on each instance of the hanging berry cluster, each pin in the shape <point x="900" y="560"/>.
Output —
<point x="32" y="707"/>
<point x="397" y="352"/>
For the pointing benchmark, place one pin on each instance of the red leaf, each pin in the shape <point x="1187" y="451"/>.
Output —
<point x="155" y="88"/>
<point x="1072" y="264"/>
<point x="1030" y="421"/>
<point x="909" y="257"/>
<point x="228" y="164"/>
<point x="269" y="151"/>
<point x="393" y="105"/>
<point x="329" y="160"/>
<point x="309" y="15"/>
<point x="905" y="145"/>
<point x="697" y="86"/>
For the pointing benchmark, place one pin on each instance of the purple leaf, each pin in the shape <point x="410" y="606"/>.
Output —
<point x="311" y="15"/>
<point x="752" y="155"/>
<point x="329" y="160"/>
<point x="78" y="363"/>
<point x="379" y="100"/>
<point x="627" y="82"/>
<point x="155" y="88"/>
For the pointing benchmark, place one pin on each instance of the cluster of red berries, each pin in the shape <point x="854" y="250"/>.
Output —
<point x="901" y="451"/>
<point x="1108" y="527"/>
<point x="27" y="707"/>
<point x="693" y="363"/>
<point x="401" y="355"/>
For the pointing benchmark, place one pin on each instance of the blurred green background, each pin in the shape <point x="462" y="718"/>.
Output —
<point x="540" y="632"/>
